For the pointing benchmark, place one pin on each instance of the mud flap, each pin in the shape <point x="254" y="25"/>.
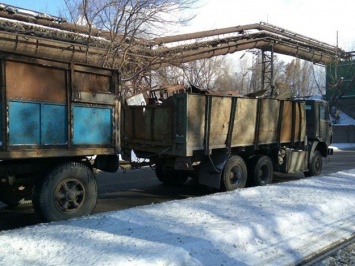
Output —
<point x="211" y="168"/>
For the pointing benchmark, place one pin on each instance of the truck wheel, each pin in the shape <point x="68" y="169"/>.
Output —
<point x="315" y="165"/>
<point x="16" y="195"/>
<point x="161" y="175"/>
<point x="178" y="177"/>
<point x="68" y="191"/>
<point x="234" y="174"/>
<point x="170" y="176"/>
<point x="261" y="171"/>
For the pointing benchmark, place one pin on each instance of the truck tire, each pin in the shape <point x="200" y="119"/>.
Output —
<point x="234" y="174"/>
<point x="16" y="195"/>
<point x="315" y="165"/>
<point x="261" y="171"/>
<point x="160" y="174"/>
<point x="170" y="176"/>
<point x="69" y="190"/>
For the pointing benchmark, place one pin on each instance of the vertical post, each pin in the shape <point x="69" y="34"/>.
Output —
<point x="70" y="91"/>
<point x="279" y="123"/>
<point x="231" y="123"/>
<point x="207" y="124"/>
<point x="4" y="120"/>
<point x="257" y="126"/>
<point x="267" y="70"/>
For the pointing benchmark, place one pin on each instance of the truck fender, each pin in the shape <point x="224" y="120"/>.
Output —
<point x="211" y="168"/>
<point x="313" y="145"/>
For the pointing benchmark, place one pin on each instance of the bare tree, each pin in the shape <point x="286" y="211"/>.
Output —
<point x="214" y="74"/>
<point x="340" y="80"/>
<point x="128" y="22"/>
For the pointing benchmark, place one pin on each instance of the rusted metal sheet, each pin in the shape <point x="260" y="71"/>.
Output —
<point x="203" y="123"/>
<point x="89" y="82"/>
<point x="148" y="125"/>
<point x="220" y="114"/>
<point x="195" y="107"/>
<point x="26" y="81"/>
<point x="245" y="122"/>
<point x="269" y="117"/>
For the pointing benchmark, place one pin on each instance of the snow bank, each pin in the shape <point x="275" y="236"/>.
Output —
<point x="274" y="225"/>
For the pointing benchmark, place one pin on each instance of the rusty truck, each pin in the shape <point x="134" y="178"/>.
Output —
<point x="227" y="142"/>
<point x="59" y="121"/>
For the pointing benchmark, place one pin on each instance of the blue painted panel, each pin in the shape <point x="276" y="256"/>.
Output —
<point x="54" y="129"/>
<point x="24" y="123"/>
<point x="92" y="125"/>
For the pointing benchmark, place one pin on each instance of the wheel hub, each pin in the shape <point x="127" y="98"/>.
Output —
<point x="235" y="175"/>
<point x="69" y="195"/>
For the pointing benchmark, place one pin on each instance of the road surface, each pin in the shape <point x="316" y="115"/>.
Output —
<point x="140" y="187"/>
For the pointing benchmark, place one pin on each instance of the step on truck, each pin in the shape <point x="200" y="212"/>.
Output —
<point x="227" y="142"/>
<point x="59" y="122"/>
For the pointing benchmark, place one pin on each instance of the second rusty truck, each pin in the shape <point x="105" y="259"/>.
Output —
<point x="228" y="142"/>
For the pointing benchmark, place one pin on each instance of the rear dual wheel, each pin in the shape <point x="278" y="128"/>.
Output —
<point x="234" y="174"/>
<point x="261" y="171"/>
<point x="169" y="176"/>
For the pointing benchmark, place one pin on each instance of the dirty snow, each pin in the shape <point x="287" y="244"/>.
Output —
<point x="273" y="225"/>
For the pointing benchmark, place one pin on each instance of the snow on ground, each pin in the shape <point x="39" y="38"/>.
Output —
<point x="344" y="119"/>
<point x="271" y="225"/>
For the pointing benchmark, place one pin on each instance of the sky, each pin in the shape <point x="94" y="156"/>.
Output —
<point x="318" y="19"/>
<point x="271" y="225"/>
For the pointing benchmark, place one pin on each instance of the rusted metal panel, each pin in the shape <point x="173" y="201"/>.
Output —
<point x="269" y="114"/>
<point x="34" y="82"/>
<point x="220" y="114"/>
<point x="244" y="122"/>
<point x="195" y="106"/>
<point x="300" y="121"/>
<point x="286" y="124"/>
<point x="90" y="82"/>
<point x="148" y="124"/>
<point x="56" y="151"/>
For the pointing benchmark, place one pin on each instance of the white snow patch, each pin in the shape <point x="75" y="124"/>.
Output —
<point x="273" y="225"/>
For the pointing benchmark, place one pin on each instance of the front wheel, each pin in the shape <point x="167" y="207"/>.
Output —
<point x="70" y="190"/>
<point x="315" y="165"/>
<point x="234" y="174"/>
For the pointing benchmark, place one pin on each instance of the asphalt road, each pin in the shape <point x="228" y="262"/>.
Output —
<point x="139" y="187"/>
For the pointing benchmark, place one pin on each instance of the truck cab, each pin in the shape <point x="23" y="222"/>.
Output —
<point x="319" y="126"/>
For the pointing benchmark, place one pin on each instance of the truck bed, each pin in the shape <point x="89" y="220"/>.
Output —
<point x="187" y="123"/>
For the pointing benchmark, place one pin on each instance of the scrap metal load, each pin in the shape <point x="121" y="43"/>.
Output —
<point x="36" y="34"/>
